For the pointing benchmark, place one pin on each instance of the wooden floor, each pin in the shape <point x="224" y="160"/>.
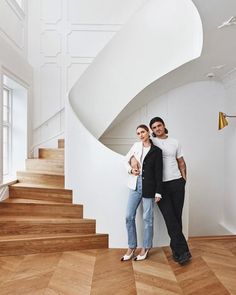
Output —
<point x="211" y="271"/>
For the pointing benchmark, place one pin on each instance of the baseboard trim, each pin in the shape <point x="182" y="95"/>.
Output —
<point x="224" y="237"/>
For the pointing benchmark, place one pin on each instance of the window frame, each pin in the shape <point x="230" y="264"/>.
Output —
<point x="7" y="124"/>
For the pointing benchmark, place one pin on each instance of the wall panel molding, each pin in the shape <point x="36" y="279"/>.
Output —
<point x="50" y="43"/>
<point x="50" y="86"/>
<point x="102" y="11"/>
<point x="66" y="36"/>
<point x="95" y="27"/>
<point x="51" y="11"/>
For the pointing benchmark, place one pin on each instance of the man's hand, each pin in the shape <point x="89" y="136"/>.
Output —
<point x="182" y="167"/>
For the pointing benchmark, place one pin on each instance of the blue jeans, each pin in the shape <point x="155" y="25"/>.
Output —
<point x="135" y="197"/>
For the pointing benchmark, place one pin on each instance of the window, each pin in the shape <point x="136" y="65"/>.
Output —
<point x="13" y="141"/>
<point x="6" y="132"/>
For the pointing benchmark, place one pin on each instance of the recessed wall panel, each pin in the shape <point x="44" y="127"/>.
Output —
<point x="51" y="11"/>
<point x="50" y="43"/>
<point x="101" y="11"/>
<point x="50" y="85"/>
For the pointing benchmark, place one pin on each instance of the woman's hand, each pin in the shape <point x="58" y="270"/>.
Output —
<point x="135" y="166"/>
<point x="157" y="199"/>
<point x="135" y="171"/>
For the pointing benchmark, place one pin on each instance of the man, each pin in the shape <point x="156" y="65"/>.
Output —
<point x="174" y="179"/>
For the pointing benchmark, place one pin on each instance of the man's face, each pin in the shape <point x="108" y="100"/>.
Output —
<point x="158" y="129"/>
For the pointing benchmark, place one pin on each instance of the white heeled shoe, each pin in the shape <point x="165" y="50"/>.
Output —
<point x="142" y="257"/>
<point x="128" y="257"/>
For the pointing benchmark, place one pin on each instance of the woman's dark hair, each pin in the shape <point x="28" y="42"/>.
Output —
<point x="157" y="119"/>
<point x="145" y="127"/>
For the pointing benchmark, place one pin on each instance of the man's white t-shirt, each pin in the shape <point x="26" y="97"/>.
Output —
<point x="171" y="150"/>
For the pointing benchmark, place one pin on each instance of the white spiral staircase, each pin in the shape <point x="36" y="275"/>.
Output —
<point x="159" y="38"/>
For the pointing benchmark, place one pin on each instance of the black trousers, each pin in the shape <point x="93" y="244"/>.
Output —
<point x="171" y="207"/>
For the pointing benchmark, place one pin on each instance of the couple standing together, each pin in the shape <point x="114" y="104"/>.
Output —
<point x="156" y="174"/>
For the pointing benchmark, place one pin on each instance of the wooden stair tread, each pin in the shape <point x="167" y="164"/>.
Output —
<point x="52" y="149"/>
<point x="51" y="153"/>
<point x="66" y="210"/>
<point x="13" y="218"/>
<point x="57" y="161"/>
<point x="43" y="187"/>
<point x="58" y="205"/>
<point x="37" y="185"/>
<point x="29" y="201"/>
<point x="61" y="143"/>
<point x="48" y="194"/>
<point x="40" y="172"/>
<point x="53" y="165"/>
<point x="47" y="237"/>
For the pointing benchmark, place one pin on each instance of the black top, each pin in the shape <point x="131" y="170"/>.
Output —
<point x="152" y="172"/>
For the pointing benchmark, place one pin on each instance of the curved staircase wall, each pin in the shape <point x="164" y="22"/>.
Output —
<point x="159" y="38"/>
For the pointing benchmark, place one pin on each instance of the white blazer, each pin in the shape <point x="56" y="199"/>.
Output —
<point x="136" y="151"/>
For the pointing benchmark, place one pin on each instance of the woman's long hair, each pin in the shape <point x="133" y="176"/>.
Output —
<point x="145" y="127"/>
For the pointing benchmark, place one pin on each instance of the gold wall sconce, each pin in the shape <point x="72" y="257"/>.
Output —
<point x="222" y="120"/>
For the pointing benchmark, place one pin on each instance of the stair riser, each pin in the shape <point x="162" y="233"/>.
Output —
<point x="40" y="194"/>
<point x="51" y="246"/>
<point x="54" y="154"/>
<point x="50" y="180"/>
<point x="38" y="210"/>
<point x="24" y="228"/>
<point x="61" y="143"/>
<point x="47" y="165"/>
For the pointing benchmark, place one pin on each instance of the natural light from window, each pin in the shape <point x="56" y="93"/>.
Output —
<point x="6" y="131"/>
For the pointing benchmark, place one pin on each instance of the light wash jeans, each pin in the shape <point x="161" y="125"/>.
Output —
<point x="135" y="197"/>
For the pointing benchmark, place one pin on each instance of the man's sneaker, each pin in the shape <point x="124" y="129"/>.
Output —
<point x="184" y="258"/>
<point x="175" y="257"/>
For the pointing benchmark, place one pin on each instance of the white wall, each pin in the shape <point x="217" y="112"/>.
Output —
<point x="13" y="49"/>
<point x="13" y="25"/>
<point x="64" y="38"/>
<point x="229" y="202"/>
<point x="191" y="115"/>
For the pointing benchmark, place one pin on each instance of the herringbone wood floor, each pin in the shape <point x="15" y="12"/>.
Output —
<point x="211" y="271"/>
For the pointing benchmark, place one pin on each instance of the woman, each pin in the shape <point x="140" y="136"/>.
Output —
<point x="174" y="179"/>
<point x="145" y="183"/>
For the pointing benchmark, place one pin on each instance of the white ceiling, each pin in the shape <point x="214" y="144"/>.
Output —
<point x="219" y="47"/>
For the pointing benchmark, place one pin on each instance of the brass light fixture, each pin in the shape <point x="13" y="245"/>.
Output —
<point x="222" y="120"/>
